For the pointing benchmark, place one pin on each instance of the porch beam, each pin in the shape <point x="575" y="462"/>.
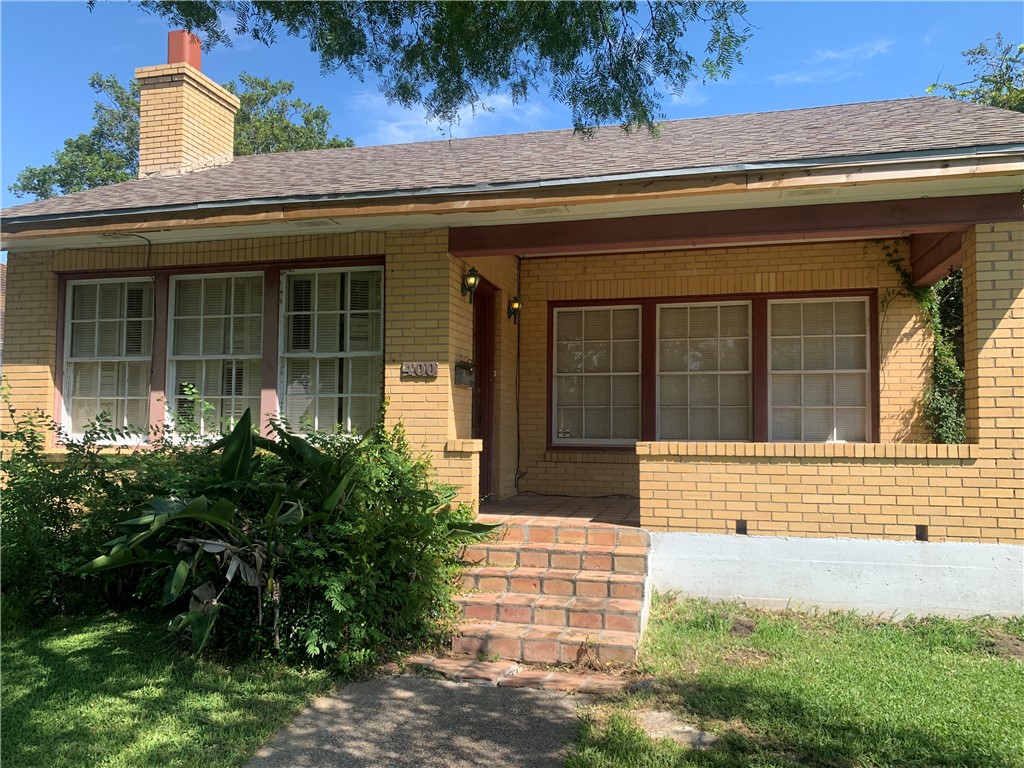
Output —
<point x="933" y="255"/>
<point x="892" y="218"/>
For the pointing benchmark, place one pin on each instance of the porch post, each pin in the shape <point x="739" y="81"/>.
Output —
<point x="993" y="273"/>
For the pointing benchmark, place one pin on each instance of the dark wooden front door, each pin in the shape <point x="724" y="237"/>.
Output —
<point x="483" y="387"/>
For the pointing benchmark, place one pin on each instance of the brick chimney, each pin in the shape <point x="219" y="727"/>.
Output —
<point x="186" y="121"/>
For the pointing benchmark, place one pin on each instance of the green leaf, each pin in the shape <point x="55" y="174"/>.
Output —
<point x="176" y="580"/>
<point x="332" y="500"/>
<point x="236" y="460"/>
<point x="122" y="558"/>
<point x="305" y="454"/>
<point x="291" y="517"/>
<point x="183" y="620"/>
<point x="202" y="626"/>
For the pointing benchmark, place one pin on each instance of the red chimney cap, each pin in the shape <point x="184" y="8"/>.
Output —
<point x="184" y="48"/>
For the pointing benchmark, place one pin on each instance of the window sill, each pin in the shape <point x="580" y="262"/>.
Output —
<point x="918" y="451"/>
<point x="576" y="455"/>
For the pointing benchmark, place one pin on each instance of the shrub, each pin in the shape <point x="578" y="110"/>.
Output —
<point x="56" y="510"/>
<point x="320" y="549"/>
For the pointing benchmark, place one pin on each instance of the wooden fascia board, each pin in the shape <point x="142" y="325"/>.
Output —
<point x="835" y="221"/>
<point x="933" y="255"/>
<point x="636" y="191"/>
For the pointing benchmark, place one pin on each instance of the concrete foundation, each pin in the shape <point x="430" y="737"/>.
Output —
<point x="894" y="578"/>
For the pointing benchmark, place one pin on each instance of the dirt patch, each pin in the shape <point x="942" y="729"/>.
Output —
<point x="662" y="724"/>
<point x="742" y="627"/>
<point x="747" y="657"/>
<point x="1004" y="646"/>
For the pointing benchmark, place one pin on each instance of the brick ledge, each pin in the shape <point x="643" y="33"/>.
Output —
<point x="464" y="445"/>
<point x="916" y="451"/>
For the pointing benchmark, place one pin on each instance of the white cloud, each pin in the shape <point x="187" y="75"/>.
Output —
<point x="385" y="123"/>
<point x="694" y="95"/>
<point x="809" y="77"/>
<point x="860" y="52"/>
<point x="933" y="36"/>
<point x="831" y="66"/>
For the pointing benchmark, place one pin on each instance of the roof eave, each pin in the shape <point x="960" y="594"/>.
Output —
<point x="804" y="164"/>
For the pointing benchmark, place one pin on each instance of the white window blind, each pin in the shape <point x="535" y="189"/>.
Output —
<point x="819" y="373"/>
<point x="108" y="344"/>
<point x="332" y="352"/>
<point x="216" y="349"/>
<point x="597" y="375"/>
<point x="704" y="381"/>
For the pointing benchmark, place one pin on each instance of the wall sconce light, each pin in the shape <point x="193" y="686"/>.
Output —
<point x="513" y="309"/>
<point x="470" y="281"/>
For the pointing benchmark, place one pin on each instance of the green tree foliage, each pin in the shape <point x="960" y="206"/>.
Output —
<point x="268" y="120"/>
<point x="607" y="61"/>
<point x="998" y="76"/>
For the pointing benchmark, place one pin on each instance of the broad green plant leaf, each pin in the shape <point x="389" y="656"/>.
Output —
<point x="176" y="579"/>
<point x="123" y="558"/>
<point x="236" y="458"/>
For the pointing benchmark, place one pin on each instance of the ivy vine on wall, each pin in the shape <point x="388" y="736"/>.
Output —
<point x="941" y="308"/>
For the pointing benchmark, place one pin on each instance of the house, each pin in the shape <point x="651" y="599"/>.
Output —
<point x="709" y="326"/>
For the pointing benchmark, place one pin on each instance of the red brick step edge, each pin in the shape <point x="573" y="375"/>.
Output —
<point x="506" y="674"/>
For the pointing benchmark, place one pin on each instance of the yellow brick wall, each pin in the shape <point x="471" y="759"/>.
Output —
<point x="904" y="341"/>
<point x="426" y="320"/>
<point x="419" y="298"/>
<point x="187" y="120"/>
<point x="701" y="489"/>
<point x="971" y="492"/>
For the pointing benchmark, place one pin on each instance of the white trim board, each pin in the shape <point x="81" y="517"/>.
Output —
<point x="894" y="578"/>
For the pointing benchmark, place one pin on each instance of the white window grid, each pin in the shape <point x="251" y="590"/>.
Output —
<point x="335" y="382"/>
<point x="861" y="413"/>
<point x="226" y="382"/>
<point x="628" y="379"/>
<point x="695" y="373"/>
<point x="124" y="367"/>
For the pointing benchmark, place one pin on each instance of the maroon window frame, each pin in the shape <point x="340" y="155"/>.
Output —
<point x="161" y="297"/>
<point x="758" y="358"/>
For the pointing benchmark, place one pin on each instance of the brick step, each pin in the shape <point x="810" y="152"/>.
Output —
<point x="565" y="531"/>
<point x="617" y="559"/>
<point x="554" y="581"/>
<point x="594" y="613"/>
<point x="546" y="645"/>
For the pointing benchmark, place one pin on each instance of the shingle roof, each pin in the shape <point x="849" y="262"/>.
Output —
<point x="869" y="128"/>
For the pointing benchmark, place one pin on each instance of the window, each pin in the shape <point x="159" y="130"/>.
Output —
<point x="107" y="349"/>
<point x="751" y="368"/>
<point x="216" y="349"/>
<point x="819" y="370"/>
<point x="704" y="372"/>
<point x="331" y="359"/>
<point x="597" y="375"/>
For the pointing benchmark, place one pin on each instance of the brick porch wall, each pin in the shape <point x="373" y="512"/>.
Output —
<point x="962" y="493"/>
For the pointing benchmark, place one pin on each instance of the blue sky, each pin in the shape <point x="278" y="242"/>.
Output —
<point x="801" y="54"/>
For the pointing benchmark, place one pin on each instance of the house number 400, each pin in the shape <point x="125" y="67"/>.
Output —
<point x="419" y="370"/>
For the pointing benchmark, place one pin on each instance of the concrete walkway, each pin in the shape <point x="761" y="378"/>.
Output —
<point x="418" y="722"/>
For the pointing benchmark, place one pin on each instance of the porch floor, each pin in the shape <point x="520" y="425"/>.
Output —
<point x="527" y="507"/>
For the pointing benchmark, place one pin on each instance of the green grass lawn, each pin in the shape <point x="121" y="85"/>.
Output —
<point x="832" y="690"/>
<point x="113" y="691"/>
